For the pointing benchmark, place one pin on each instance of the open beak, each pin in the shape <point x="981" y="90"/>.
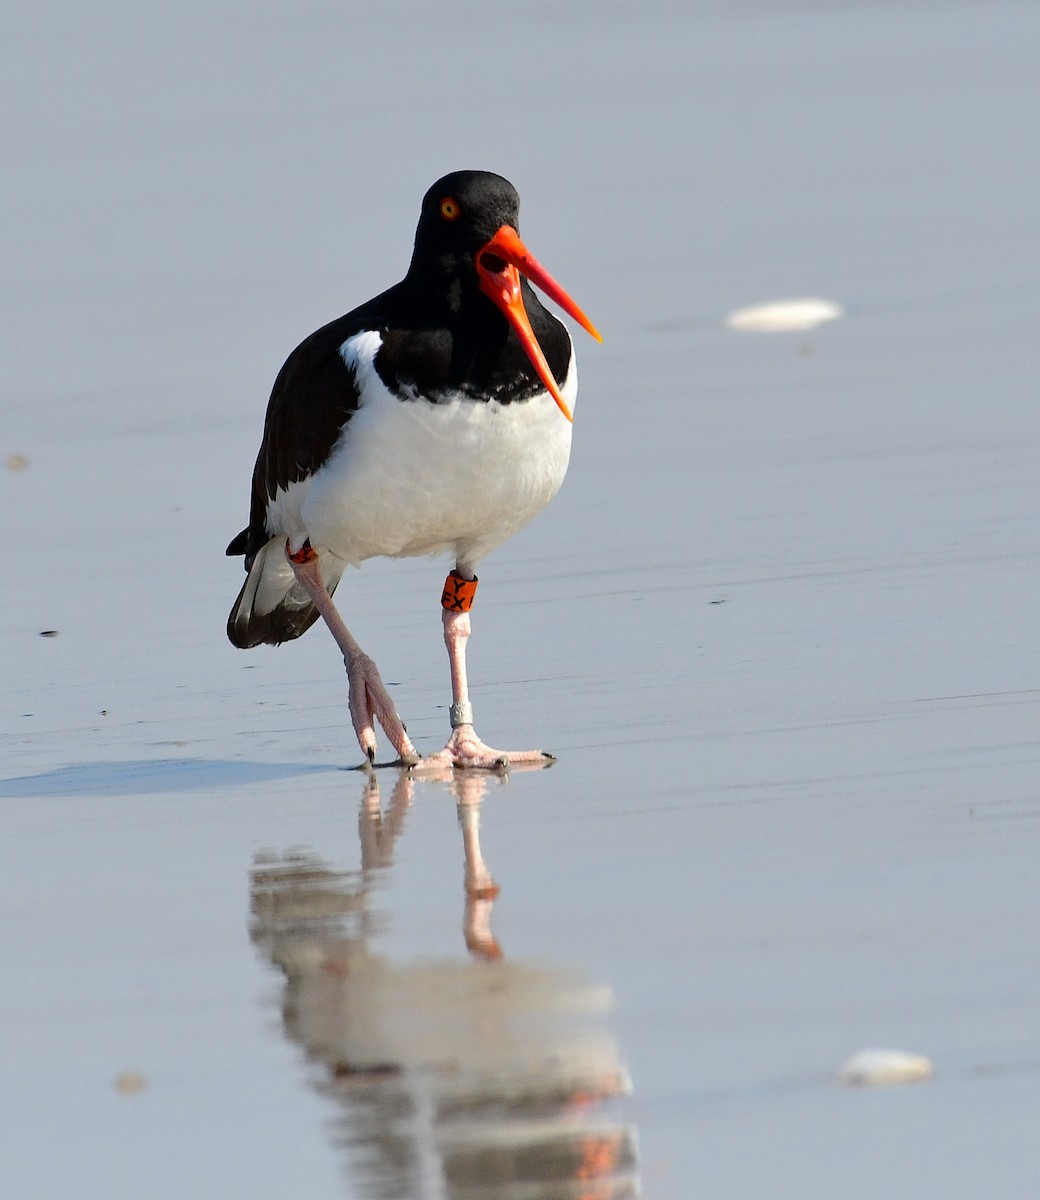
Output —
<point x="500" y="263"/>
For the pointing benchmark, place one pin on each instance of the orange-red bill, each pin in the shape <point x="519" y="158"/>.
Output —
<point x="503" y="287"/>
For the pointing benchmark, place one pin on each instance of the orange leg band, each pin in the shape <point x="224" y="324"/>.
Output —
<point x="305" y="554"/>
<point x="458" y="593"/>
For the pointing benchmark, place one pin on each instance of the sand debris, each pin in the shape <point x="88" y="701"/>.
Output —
<point x="885" y="1068"/>
<point x="784" y="316"/>
<point x="129" y="1083"/>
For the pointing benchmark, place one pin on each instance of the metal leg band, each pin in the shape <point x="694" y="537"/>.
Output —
<point x="461" y="714"/>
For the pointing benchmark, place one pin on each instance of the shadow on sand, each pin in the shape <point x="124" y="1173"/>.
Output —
<point x="151" y="776"/>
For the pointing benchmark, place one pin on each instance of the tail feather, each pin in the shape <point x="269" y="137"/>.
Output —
<point x="272" y="607"/>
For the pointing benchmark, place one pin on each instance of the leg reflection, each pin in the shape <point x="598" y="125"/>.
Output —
<point x="479" y="1076"/>
<point x="481" y="889"/>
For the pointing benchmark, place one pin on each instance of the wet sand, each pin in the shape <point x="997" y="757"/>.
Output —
<point x="779" y="627"/>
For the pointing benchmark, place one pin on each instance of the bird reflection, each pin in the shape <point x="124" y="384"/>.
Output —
<point x="482" y="1077"/>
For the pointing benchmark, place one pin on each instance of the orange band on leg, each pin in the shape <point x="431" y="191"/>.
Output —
<point x="304" y="555"/>
<point x="458" y="593"/>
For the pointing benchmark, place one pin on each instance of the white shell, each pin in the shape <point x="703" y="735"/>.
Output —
<point x="884" y="1068"/>
<point x="784" y="316"/>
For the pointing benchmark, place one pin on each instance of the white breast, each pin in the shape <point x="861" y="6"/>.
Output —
<point x="410" y="477"/>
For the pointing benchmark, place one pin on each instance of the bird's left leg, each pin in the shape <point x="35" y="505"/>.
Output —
<point x="368" y="700"/>
<point x="464" y="748"/>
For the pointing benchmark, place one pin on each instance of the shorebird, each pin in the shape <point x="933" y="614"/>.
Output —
<point x="435" y="418"/>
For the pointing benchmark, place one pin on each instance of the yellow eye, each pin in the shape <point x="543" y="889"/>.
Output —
<point x="450" y="208"/>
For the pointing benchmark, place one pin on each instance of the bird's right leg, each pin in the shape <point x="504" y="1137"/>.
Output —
<point x="368" y="698"/>
<point x="464" y="748"/>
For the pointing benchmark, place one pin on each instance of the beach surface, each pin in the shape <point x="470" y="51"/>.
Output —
<point x="780" y="626"/>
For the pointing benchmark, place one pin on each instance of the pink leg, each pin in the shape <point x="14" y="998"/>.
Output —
<point x="464" y="748"/>
<point x="369" y="700"/>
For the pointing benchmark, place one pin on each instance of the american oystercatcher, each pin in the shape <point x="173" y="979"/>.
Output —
<point x="434" y="418"/>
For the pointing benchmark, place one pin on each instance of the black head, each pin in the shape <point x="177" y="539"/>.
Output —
<point x="468" y="256"/>
<point x="461" y="213"/>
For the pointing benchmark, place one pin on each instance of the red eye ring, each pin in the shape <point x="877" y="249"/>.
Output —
<point x="450" y="208"/>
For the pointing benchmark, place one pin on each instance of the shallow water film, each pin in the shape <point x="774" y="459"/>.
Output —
<point x="768" y="925"/>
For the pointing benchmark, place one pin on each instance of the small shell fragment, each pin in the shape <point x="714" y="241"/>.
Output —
<point x="129" y="1083"/>
<point x="885" y="1068"/>
<point x="784" y="316"/>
